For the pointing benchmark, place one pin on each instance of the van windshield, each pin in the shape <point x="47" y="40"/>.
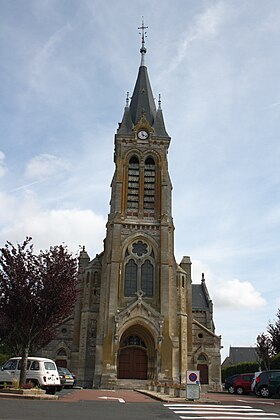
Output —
<point x="49" y="366"/>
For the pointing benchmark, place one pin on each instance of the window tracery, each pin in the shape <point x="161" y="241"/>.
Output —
<point x="139" y="272"/>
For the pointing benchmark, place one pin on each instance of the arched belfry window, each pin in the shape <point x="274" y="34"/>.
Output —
<point x="133" y="185"/>
<point x="139" y="270"/>
<point x="141" y="186"/>
<point x="149" y="185"/>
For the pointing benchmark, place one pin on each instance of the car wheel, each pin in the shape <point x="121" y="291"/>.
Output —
<point x="239" y="390"/>
<point x="231" y="389"/>
<point x="264" y="392"/>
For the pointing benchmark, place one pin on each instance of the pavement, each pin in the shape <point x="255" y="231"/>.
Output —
<point x="204" y="398"/>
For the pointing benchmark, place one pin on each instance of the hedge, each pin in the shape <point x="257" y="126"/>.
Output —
<point x="246" y="367"/>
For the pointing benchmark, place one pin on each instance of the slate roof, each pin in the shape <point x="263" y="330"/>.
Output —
<point x="143" y="103"/>
<point x="241" y="355"/>
<point x="199" y="298"/>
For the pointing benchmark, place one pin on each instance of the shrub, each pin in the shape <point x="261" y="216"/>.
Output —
<point x="275" y="363"/>
<point x="246" y="367"/>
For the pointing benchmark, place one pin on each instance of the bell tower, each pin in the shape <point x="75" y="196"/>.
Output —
<point x="138" y="321"/>
<point x="138" y="316"/>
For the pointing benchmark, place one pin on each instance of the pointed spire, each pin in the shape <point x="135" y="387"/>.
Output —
<point x="142" y="102"/>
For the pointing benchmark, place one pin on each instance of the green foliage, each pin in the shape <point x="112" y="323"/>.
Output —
<point x="274" y="331"/>
<point x="4" y="357"/>
<point x="268" y="345"/>
<point x="246" y="367"/>
<point x="275" y="362"/>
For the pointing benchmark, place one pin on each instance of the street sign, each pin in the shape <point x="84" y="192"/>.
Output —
<point x="192" y="385"/>
<point x="192" y="377"/>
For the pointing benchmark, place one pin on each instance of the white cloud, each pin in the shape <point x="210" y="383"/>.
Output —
<point x="41" y="59"/>
<point x="228" y="294"/>
<point x="2" y="164"/>
<point x="74" y="227"/>
<point x="45" y="165"/>
<point x="205" y="25"/>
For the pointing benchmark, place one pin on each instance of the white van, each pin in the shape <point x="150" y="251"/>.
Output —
<point x="40" y="371"/>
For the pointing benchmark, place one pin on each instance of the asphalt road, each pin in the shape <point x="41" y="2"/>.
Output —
<point x="130" y="405"/>
<point x="83" y="410"/>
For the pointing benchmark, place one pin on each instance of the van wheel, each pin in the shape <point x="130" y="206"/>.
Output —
<point x="51" y="391"/>
<point x="264" y="392"/>
<point x="231" y="389"/>
<point x="239" y="390"/>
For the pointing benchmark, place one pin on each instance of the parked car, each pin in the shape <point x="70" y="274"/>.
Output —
<point x="242" y="383"/>
<point x="61" y="376"/>
<point x="228" y="385"/>
<point x="40" y="371"/>
<point x="66" y="377"/>
<point x="268" y="383"/>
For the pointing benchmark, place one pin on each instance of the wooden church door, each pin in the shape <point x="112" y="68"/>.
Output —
<point x="133" y="363"/>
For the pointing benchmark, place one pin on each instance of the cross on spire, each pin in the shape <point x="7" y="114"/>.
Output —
<point x="144" y="35"/>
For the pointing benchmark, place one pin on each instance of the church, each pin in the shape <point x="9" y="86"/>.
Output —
<point x="138" y="316"/>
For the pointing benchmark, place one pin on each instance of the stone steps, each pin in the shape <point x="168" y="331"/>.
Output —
<point x="130" y="384"/>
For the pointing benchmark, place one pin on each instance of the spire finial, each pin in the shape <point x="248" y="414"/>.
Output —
<point x="159" y="101"/>
<point x="127" y="99"/>
<point x="143" y="33"/>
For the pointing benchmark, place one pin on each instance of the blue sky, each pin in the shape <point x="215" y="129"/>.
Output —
<point x="65" y="69"/>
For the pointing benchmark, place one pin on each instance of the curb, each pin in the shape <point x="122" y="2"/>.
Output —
<point x="168" y="398"/>
<point x="28" y="397"/>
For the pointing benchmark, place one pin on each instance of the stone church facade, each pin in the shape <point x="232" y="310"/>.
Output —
<point x="138" y="316"/>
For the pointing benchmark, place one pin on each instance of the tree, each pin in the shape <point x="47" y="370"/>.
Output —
<point x="264" y="350"/>
<point x="37" y="292"/>
<point x="274" y="332"/>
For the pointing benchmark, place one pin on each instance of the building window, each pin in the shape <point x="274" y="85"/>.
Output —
<point x="147" y="278"/>
<point x="149" y="185"/>
<point x="133" y="185"/>
<point x="141" y="187"/>
<point x="130" y="284"/>
<point x="139" y="248"/>
<point x="61" y="352"/>
<point x="95" y="279"/>
<point x="139" y="269"/>
<point x="133" y="340"/>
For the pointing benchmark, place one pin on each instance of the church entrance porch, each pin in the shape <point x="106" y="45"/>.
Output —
<point x="136" y="355"/>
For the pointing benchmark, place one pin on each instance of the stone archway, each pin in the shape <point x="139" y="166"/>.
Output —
<point x="137" y="354"/>
<point x="202" y="366"/>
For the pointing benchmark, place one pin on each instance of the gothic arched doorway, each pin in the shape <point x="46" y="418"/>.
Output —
<point x="133" y="359"/>
<point x="203" y="368"/>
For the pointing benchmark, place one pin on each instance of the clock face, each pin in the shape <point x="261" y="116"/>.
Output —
<point x="143" y="135"/>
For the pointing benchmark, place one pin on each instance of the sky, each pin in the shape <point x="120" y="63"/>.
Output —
<point x="65" y="69"/>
